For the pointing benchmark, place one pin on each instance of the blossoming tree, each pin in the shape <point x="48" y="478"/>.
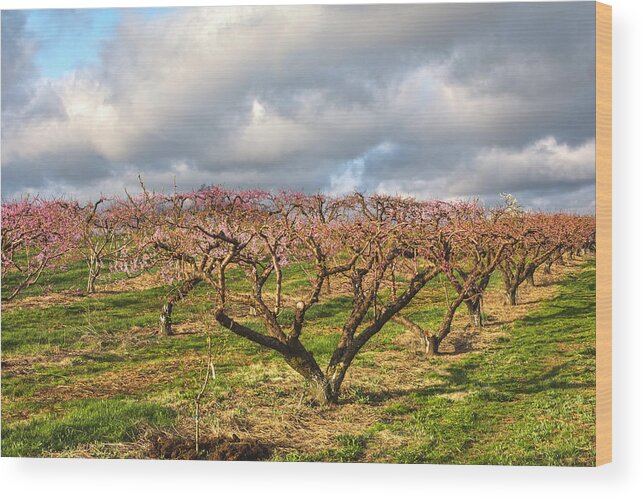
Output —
<point x="37" y="234"/>
<point x="218" y="236"/>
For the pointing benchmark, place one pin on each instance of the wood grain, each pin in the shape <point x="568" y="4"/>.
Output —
<point x="603" y="234"/>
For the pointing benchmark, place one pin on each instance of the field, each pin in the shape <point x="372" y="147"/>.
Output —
<point x="90" y="376"/>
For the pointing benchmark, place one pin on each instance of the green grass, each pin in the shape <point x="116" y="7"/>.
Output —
<point x="73" y="277"/>
<point x="82" y="421"/>
<point x="350" y="448"/>
<point x="529" y="401"/>
<point x="41" y="329"/>
<point x="70" y="277"/>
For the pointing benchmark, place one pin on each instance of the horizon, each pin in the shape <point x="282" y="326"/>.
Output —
<point x="504" y="199"/>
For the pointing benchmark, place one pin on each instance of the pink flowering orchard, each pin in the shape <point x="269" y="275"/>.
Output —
<point x="37" y="235"/>
<point x="104" y="232"/>
<point x="351" y="243"/>
<point x="541" y="238"/>
<point x="467" y="245"/>
<point x="379" y="251"/>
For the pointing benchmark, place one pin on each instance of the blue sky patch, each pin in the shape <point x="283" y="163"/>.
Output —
<point x="68" y="39"/>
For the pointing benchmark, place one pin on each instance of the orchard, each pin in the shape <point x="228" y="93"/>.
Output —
<point x="378" y="251"/>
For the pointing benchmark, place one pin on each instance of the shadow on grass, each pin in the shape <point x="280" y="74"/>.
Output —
<point x="530" y="361"/>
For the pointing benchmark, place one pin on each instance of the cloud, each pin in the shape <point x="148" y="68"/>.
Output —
<point x="543" y="164"/>
<point x="349" y="179"/>
<point x="18" y="69"/>
<point x="349" y="176"/>
<point x="304" y="98"/>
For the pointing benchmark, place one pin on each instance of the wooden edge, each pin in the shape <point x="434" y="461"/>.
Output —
<point x="603" y="234"/>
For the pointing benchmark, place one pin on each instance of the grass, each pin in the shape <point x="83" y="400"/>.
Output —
<point x="526" y="399"/>
<point x="529" y="401"/>
<point x="70" y="277"/>
<point x="38" y="330"/>
<point x="82" y="421"/>
<point x="350" y="448"/>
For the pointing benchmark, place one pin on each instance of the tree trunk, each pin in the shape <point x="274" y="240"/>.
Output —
<point x="166" y="319"/>
<point x="91" y="282"/>
<point x="530" y="279"/>
<point x="432" y="345"/>
<point x="433" y="340"/>
<point x="547" y="267"/>
<point x="324" y="391"/>
<point x="474" y="306"/>
<point x="94" y="265"/>
<point x="511" y="296"/>
<point x="178" y="294"/>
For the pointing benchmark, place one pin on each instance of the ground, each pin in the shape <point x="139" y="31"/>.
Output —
<point x="89" y="376"/>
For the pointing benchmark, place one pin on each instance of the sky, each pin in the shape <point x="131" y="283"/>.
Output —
<point x="436" y="101"/>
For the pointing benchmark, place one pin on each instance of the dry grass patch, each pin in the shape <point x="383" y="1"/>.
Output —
<point x="129" y="380"/>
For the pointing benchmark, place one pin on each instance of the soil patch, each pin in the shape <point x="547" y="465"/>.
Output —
<point x="228" y="448"/>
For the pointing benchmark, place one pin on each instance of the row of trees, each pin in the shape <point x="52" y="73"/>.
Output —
<point x="380" y="250"/>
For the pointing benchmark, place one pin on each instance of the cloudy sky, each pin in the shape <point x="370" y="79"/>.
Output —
<point x="442" y="100"/>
